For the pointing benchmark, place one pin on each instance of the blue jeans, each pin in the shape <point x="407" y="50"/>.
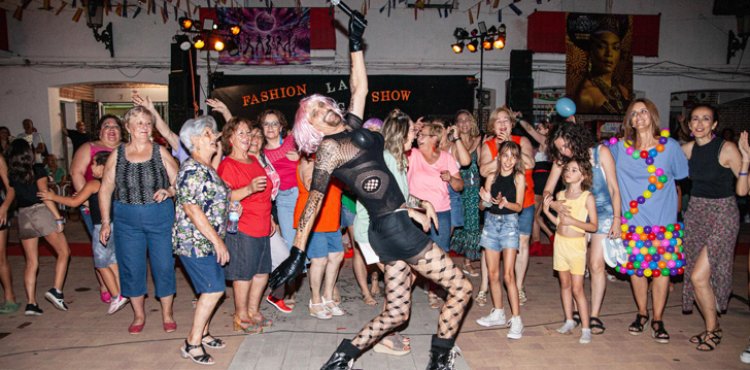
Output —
<point x="442" y="236"/>
<point x="285" y="202"/>
<point x="142" y="228"/>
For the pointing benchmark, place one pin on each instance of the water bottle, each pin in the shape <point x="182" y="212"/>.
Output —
<point x="234" y="217"/>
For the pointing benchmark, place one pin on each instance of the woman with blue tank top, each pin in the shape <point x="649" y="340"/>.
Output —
<point x="140" y="175"/>
<point x="571" y="140"/>
<point x="712" y="220"/>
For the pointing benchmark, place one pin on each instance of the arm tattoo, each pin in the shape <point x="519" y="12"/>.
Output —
<point x="326" y="160"/>
<point x="307" y="219"/>
<point x="413" y="202"/>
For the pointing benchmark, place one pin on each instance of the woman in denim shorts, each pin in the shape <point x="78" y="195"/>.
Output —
<point x="502" y="198"/>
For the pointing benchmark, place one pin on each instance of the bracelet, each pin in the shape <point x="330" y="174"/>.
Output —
<point x="60" y="221"/>
<point x="486" y="204"/>
<point x="743" y="174"/>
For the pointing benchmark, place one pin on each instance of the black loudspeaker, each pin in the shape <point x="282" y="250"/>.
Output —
<point x="181" y="59"/>
<point x="519" y="94"/>
<point x="181" y="91"/>
<point x="520" y="63"/>
<point x="181" y="98"/>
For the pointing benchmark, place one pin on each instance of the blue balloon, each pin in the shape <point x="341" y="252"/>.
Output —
<point x="565" y="107"/>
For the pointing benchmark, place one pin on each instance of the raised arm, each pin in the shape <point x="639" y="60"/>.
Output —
<point x="161" y="126"/>
<point x="742" y="176"/>
<point x="220" y="107"/>
<point x="358" y="76"/>
<point x="539" y="138"/>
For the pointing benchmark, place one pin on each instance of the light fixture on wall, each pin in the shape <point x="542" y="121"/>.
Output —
<point x="95" y="21"/>
<point x="738" y="42"/>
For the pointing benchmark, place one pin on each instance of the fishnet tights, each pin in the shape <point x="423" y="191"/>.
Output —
<point x="435" y="265"/>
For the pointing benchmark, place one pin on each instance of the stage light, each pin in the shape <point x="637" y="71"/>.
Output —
<point x="458" y="47"/>
<point x="487" y="44"/>
<point x="199" y="42"/>
<point x="499" y="42"/>
<point x="183" y="41"/>
<point x="186" y="24"/>
<point x="501" y="29"/>
<point x="492" y="30"/>
<point x="218" y="44"/>
<point x="474" y="32"/>
<point x="460" y="33"/>
<point x="472" y="46"/>
<point x="235" y="29"/>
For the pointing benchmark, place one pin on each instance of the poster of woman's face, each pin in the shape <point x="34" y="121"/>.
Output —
<point x="599" y="62"/>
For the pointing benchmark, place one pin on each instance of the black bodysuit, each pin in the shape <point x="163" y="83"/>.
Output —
<point x="392" y="234"/>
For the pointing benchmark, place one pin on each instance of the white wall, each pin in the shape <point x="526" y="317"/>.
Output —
<point x="50" y="51"/>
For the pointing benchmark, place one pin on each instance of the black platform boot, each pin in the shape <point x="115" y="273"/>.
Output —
<point x="343" y="358"/>
<point x="441" y="354"/>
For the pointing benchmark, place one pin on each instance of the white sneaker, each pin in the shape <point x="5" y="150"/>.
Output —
<point x="745" y="356"/>
<point x="567" y="327"/>
<point x="117" y="304"/>
<point x="585" y="336"/>
<point x="495" y="318"/>
<point x="516" y="328"/>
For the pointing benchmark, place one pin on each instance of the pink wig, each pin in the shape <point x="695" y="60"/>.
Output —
<point x="307" y="137"/>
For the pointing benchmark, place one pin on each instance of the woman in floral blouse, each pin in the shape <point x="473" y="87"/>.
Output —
<point x="200" y="224"/>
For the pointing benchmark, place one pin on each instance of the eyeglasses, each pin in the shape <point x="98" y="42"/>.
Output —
<point x="637" y="112"/>
<point x="271" y="124"/>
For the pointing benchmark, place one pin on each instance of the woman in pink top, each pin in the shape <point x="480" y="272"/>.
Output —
<point x="429" y="170"/>
<point x="110" y="130"/>
<point x="281" y="151"/>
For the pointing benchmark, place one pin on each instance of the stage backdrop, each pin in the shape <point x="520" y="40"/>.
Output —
<point x="274" y="36"/>
<point x="599" y="62"/>
<point x="247" y="96"/>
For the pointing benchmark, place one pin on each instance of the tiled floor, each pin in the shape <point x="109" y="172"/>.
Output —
<point x="86" y="338"/>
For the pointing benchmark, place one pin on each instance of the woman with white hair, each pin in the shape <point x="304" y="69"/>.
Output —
<point x="202" y="203"/>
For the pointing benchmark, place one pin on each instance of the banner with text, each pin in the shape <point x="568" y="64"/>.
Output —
<point x="418" y="96"/>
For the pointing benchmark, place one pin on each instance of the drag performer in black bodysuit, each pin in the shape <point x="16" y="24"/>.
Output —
<point x="355" y="156"/>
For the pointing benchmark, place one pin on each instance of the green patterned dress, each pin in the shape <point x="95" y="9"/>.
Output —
<point x="466" y="239"/>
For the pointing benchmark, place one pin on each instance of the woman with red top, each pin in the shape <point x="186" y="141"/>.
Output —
<point x="500" y="125"/>
<point x="250" y="247"/>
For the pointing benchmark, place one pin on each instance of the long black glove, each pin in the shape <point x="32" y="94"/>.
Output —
<point x="289" y="269"/>
<point x="356" y="30"/>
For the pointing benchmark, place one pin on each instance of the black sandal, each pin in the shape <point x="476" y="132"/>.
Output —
<point x="717" y="334"/>
<point x="597" y="326"/>
<point x="636" y="327"/>
<point x="577" y="318"/>
<point x="658" y="332"/>
<point x="202" y="359"/>
<point x="211" y="342"/>
<point x="708" y="341"/>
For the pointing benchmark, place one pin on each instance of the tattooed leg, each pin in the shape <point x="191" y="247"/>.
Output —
<point x="437" y="266"/>
<point x="397" y="305"/>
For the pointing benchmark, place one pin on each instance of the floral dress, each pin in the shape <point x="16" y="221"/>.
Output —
<point x="200" y="185"/>
<point x="466" y="240"/>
